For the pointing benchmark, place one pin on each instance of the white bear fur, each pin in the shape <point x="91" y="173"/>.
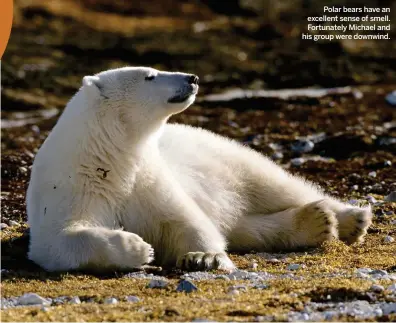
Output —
<point x="113" y="180"/>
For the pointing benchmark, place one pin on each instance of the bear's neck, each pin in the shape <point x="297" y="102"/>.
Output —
<point x="112" y="156"/>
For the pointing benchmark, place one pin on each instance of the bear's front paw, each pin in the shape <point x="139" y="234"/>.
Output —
<point x="354" y="223"/>
<point x="205" y="261"/>
<point x="316" y="223"/>
<point x="131" y="251"/>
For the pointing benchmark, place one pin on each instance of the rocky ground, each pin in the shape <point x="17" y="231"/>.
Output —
<point x="343" y="139"/>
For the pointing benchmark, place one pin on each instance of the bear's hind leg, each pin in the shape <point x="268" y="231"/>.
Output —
<point x="305" y="226"/>
<point x="80" y="247"/>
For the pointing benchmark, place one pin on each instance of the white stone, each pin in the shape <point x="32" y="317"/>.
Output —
<point x="157" y="283"/>
<point x="75" y="300"/>
<point x="3" y="226"/>
<point x="32" y="299"/>
<point x="132" y="299"/>
<point x="110" y="300"/>
<point x="389" y="239"/>
<point x="372" y="174"/>
<point x="13" y="223"/>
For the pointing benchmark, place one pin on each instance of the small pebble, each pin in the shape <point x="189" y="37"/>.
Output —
<point x="377" y="288"/>
<point x="353" y="202"/>
<point x="371" y="199"/>
<point x="388" y="239"/>
<point x="186" y="286"/>
<point x="3" y="226"/>
<point x="273" y="260"/>
<point x="132" y="299"/>
<point x="110" y="300"/>
<point x="23" y="169"/>
<point x="223" y="277"/>
<point x="233" y="292"/>
<point x="260" y="286"/>
<point x="13" y="223"/>
<point x="392" y="288"/>
<point x="388" y="163"/>
<point x="254" y="265"/>
<point x="391" y="197"/>
<point x="391" y="98"/>
<point x="297" y="161"/>
<point x="238" y="287"/>
<point x="157" y="283"/>
<point x="355" y="187"/>
<point x="302" y="146"/>
<point x="32" y="299"/>
<point x="362" y="275"/>
<point x="75" y="300"/>
<point x="277" y="155"/>
<point x="372" y="174"/>
<point x="293" y="267"/>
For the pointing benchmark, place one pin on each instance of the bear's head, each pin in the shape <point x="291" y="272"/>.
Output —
<point x="141" y="97"/>
<point x="145" y="89"/>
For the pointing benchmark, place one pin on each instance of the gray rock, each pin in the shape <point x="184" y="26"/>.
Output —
<point x="277" y="155"/>
<point x="302" y="146"/>
<point x="390" y="98"/>
<point x="297" y="161"/>
<point x="132" y="299"/>
<point x="157" y="283"/>
<point x="379" y="272"/>
<point x="391" y="197"/>
<point x="186" y="286"/>
<point x="294" y="267"/>
<point x="33" y="299"/>
<point x="110" y="300"/>
<point x="223" y="277"/>
<point x="75" y="300"/>
<point x="13" y="223"/>
<point x="371" y="199"/>
<point x="3" y="226"/>
<point x="377" y="288"/>
<point x="389" y="239"/>
<point x="392" y="288"/>
<point x="372" y="174"/>
<point x="388" y="308"/>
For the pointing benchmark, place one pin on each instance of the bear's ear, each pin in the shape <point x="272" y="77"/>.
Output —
<point x="93" y="86"/>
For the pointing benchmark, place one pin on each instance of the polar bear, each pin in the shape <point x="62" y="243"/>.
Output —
<point x="114" y="186"/>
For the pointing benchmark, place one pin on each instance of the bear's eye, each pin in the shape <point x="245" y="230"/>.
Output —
<point x="149" y="78"/>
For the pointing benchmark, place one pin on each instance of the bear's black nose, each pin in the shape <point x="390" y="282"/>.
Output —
<point x="193" y="79"/>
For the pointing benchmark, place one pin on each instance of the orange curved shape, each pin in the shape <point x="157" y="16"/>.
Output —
<point x="6" y="7"/>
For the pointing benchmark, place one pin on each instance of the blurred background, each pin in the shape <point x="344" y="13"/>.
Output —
<point x="335" y="137"/>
